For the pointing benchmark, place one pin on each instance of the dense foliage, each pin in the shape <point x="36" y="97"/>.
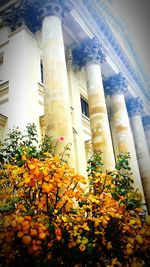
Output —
<point x="52" y="216"/>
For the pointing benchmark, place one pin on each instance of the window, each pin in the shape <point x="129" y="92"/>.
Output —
<point x="1" y="58"/>
<point x="84" y="107"/>
<point x="41" y="70"/>
<point x="1" y="67"/>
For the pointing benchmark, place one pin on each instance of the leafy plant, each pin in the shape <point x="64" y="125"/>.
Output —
<point x="47" y="219"/>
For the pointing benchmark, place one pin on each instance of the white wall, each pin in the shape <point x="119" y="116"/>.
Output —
<point x="21" y="68"/>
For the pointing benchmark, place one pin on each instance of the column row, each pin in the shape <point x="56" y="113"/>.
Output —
<point x="58" y="123"/>
<point x="90" y="55"/>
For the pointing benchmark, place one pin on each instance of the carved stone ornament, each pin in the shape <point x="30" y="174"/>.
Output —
<point x="57" y="8"/>
<point x="31" y="13"/>
<point x="116" y="84"/>
<point x="90" y="51"/>
<point x="134" y="106"/>
<point x="14" y="15"/>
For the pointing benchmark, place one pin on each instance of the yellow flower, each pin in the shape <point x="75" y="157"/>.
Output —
<point x="24" y="157"/>
<point x="139" y="239"/>
<point x="132" y="221"/>
<point x="109" y="246"/>
<point x="78" y="241"/>
<point x="64" y="218"/>
<point x="85" y="240"/>
<point x="116" y="263"/>
<point x="129" y="249"/>
<point x="82" y="247"/>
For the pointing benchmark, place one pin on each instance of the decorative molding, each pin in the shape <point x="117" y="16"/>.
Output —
<point x="116" y="84"/>
<point x="5" y="43"/>
<point x="3" y="120"/>
<point x="30" y="13"/>
<point x="146" y="121"/>
<point x="101" y="29"/>
<point x="134" y="106"/>
<point x="58" y="8"/>
<point x="6" y="4"/>
<point x="4" y="92"/>
<point x="23" y="27"/>
<point x="107" y="10"/>
<point x="18" y="14"/>
<point x="90" y="51"/>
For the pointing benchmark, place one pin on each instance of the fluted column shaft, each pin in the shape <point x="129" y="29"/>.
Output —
<point x="116" y="86"/>
<point x="90" y="55"/>
<point x="101" y="138"/>
<point x="57" y="108"/>
<point x="135" y="108"/>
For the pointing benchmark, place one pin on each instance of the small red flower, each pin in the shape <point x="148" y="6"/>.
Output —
<point x="61" y="138"/>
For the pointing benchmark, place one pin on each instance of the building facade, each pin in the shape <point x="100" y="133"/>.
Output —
<point x="66" y="66"/>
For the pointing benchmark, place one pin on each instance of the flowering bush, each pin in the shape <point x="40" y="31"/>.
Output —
<point x="49" y="219"/>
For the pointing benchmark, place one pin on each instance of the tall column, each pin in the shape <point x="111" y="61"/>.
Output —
<point x="115" y="87"/>
<point x="135" y="109"/>
<point x="146" y="124"/>
<point x="90" y="56"/>
<point x="74" y="89"/>
<point x="56" y="102"/>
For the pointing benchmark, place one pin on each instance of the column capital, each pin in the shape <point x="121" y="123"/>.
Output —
<point x="31" y="13"/>
<point x="90" y="51"/>
<point x="134" y="106"/>
<point x="58" y="8"/>
<point x="116" y="84"/>
<point x="146" y="120"/>
<point x="14" y="16"/>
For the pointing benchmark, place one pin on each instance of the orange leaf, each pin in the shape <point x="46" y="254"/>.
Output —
<point x="26" y="239"/>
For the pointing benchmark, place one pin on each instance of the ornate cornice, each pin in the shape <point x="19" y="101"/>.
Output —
<point x="108" y="11"/>
<point x="146" y="120"/>
<point x="116" y="84"/>
<point x="90" y="51"/>
<point x="31" y="13"/>
<point x="100" y="28"/>
<point x="134" y="106"/>
<point x="18" y="14"/>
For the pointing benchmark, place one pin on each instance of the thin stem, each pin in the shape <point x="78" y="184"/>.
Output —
<point x="67" y="200"/>
<point x="47" y="205"/>
<point x="30" y="195"/>
<point x="56" y="197"/>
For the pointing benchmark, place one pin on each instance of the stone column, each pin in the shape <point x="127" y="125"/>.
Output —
<point x="135" y="109"/>
<point x="75" y="99"/>
<point x="90" y="56"/>
<point x="56" y="102"/>
<point x="146" y="124"/>
<point x="116" y="86"/>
